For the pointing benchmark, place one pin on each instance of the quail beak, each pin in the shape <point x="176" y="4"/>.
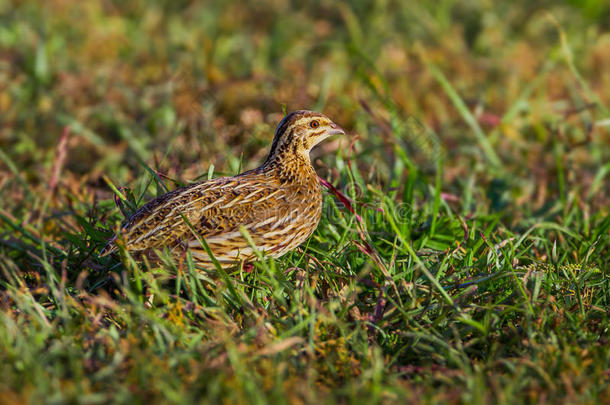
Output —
<point x="335" y="130"/>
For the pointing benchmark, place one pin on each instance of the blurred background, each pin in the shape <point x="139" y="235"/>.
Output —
<point x="478" y="159"/>
<point x="181" y="85"/>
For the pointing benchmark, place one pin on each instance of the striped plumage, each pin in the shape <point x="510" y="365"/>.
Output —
<point x="279" y="204"/>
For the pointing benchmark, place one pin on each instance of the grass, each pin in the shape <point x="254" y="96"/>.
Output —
<point x="464" y="257"/>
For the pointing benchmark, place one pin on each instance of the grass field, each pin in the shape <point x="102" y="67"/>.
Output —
<point x="473" y="268"/>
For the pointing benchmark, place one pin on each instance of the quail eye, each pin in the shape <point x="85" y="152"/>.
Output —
<point x="314" y="124"/>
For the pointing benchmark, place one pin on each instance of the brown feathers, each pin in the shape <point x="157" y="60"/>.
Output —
<point x="279" y="204"/>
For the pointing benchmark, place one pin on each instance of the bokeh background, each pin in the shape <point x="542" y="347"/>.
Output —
<point x="204" y="83"/>
<point x="483" y="125"/>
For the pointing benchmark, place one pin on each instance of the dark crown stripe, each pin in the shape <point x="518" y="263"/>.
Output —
<point x="281" y="129"/>
<point x="285" y="125"/>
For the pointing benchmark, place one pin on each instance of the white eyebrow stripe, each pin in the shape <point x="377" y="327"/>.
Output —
<point x="301" y="120"/>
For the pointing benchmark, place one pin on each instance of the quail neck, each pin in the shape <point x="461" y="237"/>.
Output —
<point x="294" y="138"/>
